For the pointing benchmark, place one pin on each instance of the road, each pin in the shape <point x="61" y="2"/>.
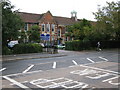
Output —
<point x="104" y="63"/>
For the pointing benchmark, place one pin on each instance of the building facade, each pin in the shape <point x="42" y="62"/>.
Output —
<point x="54" y="26"/>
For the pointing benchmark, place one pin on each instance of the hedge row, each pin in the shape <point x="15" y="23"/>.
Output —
<point x="27" y="48"/>
<point x="78" y="45"/>
<point x="6" y="51"/>
<point x="107" y="44"/>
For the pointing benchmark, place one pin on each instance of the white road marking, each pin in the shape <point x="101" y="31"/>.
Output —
<point x="110" y="79"/>
<point x="20" y="82"/>
<point x="23" y="73"/>
<point x="93" y="63"/>
<point x="28" y="69"/>
<point x="90" y="60"/>
<point x="103" y="58"/>
<point x="16" y="83"/>
<point x="88" y="63"/>
<point x="2" y="69"/>
<point x="101" y="69"/>
<point x="54" y="65"/>
<point x="74" y="62"/>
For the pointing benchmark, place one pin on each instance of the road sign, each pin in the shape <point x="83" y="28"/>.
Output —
<point x="45" y="37"/>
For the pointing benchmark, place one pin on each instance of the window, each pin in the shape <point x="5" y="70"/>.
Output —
<point x="43" y="27"/>
<point x="26" y="27"/>
<point x="58" y="32"/>
<point x="53" y="27"/>
<point x="66" y="39"/>
<point x="48" y="27"/>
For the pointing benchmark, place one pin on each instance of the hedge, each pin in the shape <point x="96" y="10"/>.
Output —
<point x="6" y="51"/>
<point x="78" y="45"/>
<point x="106" y="44"/>
<point x="27" y="48"/>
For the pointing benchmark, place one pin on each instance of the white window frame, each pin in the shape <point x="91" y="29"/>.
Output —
<point x="48" y="27"/>
<point x="43" y="27"/>
<point x="26" y="27"/>
<point x="53" y="27"/>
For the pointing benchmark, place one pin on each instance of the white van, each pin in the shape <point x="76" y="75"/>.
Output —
<point x="12" y="43"/>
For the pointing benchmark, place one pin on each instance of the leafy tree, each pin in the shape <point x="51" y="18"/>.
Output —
<point x="34" y="34"/>
<point x="11" y="22"/>
<point x="108" y="21"/>
<point x="79" y="30"/>
<point x="22" y="36"/>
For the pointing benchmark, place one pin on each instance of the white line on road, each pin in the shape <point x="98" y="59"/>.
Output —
<point x="90" y="60"/>
<point x="93" y="63"/>
<point x="54" y="65"/>
<point x="110" y="79"/>
<point x="28" y="69"/>
<point x="103" y="58"/>
<point x="101" y="69"/>
<point x="20" y="82"/>
<point x="2" y="69"/>
<point x="25" y="73"/>
<point x="16" y="83"/>
<point x="74" y="62"/>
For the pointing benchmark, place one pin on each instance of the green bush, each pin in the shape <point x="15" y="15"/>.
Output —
<point x="6" y="50"/>
<point x="77" y="45"/>
<point x="27" y="48"/>
<point x="110" y="44"/>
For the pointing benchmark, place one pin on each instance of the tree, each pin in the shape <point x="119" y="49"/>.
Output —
<point x="34" y="34"/>
<point x="79" y="30"/>
<point x="11" y="22"/>
<point x="108" y="21"/>
<point x="22" y="36"/>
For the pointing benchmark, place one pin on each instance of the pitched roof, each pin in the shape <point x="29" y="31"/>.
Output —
<point x="30" y="17"/>
<point x="34" y="18"/>
<point x="64" y="20"/>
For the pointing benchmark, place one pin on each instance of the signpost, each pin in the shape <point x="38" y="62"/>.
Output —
<point x="45" y="37"/>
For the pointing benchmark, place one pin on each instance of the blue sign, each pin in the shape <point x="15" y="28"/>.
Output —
<point x="45" y="37"/>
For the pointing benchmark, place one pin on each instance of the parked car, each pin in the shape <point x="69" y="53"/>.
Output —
<point x="61" y="46"/>
<point x="12" y="43"/>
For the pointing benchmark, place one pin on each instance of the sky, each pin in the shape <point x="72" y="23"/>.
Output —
<point x="63" y="8"/>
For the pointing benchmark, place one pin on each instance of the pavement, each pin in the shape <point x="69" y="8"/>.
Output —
<point x="30" y="56"/>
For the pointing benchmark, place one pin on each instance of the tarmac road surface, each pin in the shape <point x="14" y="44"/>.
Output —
<point x="87" y="69"/>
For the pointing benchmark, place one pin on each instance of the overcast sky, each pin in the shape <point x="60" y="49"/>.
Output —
<point x="84" y="8"/>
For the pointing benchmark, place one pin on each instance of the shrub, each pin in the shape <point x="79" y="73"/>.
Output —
<point x="27" y="48"/>
<point x="77" y="45"/>
<point x="110" y="44"/>
<point x="6" y="50"/>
